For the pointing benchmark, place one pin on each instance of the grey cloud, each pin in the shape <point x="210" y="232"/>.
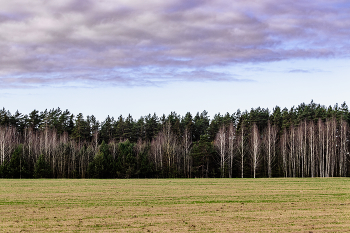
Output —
<point x="122" y="77"/>
<point x="307" y="71"/>
<point x="298" y="71"/>
<point x="183" y="5"/>
<point x="97" y="40"/>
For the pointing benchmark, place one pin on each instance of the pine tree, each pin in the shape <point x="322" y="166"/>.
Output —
<point x="17" y="166"/>
<point x="42" y="169"/>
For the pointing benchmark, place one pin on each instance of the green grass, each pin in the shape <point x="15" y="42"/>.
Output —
<point x="158" y="205"/>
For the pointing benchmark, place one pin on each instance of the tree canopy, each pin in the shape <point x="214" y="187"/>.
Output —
<point x="305" y="140"/>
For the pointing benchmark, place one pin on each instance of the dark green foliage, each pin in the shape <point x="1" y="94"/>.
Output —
<point x="200" y="125"/>
<point x="81" y="131"/>
<point x="17" y="167"/>
<point x="276" y="117"/>
<point x="103" y="165"/>
<point x="34" y="120"/>
<point x="152" y="126"/>
<point x="96" y="167"/>
<point x="144" y="166"/>
<point x="187" y="122"/>
<point x="42" y="169"/>
<point x="139" y="130"/>
<point x="126" y="147"/>
<point x="203" y="158"/>
<point x="126" y="160"/>
<point x="3" y="170"/>
<point x="106" y="131"/>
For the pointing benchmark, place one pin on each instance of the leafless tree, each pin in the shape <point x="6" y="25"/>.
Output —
<point x="330" y="146"/>
<point x="270" y="146"/>
<point x="305" y="163"/>
<point x="255" y="144"/>
<point x="231" y="146"/>
<point x="114" y="148"/>
<point x="321" y="147"/>
<point x="8" y="141"/>
<point x="220" y="144"/>
<point x="292" y="156"/>
<point x="187" y="143"/>
<point x="157" y="150"/>
<point x="2" y="144"/>
<point x="95" y="140"/>
<point x="170" y="143"/>
<point x="241" y="147"/>
<point x="312" y="147"/>
<point x="344" y="129"/>
<point x="300" y="146"/>
<point x="284" y="152"/>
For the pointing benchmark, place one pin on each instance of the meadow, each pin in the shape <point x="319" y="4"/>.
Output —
<point x="175" y="205"/>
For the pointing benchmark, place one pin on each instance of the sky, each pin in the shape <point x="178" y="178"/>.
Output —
<point x="115" y="57"/>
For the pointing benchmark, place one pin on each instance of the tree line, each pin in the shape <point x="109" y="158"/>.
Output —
<point x="309" y="140"/>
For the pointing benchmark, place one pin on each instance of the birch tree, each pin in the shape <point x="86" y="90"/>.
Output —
<point x="220" y="144"/>
<point x="321" y="148"/>
<point x="170" y="143"/>
<point x="231" y="146"/>
<point x="255" y="144"/>
<point x="312" y="147"/>
<point x="330" y="147"/>
<point x="344" y="129"/>
<point x="284" y="152"/>
<point x="241" y="147"/>
<point x="292" y="157"/>
<point x="187" y="143"/>
<point x="270" y="146"/>
<point x="299" y="152"/>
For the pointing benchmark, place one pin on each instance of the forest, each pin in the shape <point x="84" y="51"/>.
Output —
<point x="310" y="140"/>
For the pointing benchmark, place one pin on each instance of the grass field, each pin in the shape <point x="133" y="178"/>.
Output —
<point x="177" y="205"/>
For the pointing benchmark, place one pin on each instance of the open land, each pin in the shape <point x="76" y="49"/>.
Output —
<point x="176" y="205"/>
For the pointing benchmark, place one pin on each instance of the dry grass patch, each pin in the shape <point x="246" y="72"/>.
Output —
<point x="176" y="205"/>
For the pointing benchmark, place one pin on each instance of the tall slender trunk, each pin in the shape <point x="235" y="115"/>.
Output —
<point x="255" y="145"/>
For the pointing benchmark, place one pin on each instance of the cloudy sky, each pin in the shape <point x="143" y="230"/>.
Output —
<point x="112" y="57"/>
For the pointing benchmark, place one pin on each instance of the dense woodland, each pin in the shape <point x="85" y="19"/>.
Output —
<point x="309" y="140"/>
